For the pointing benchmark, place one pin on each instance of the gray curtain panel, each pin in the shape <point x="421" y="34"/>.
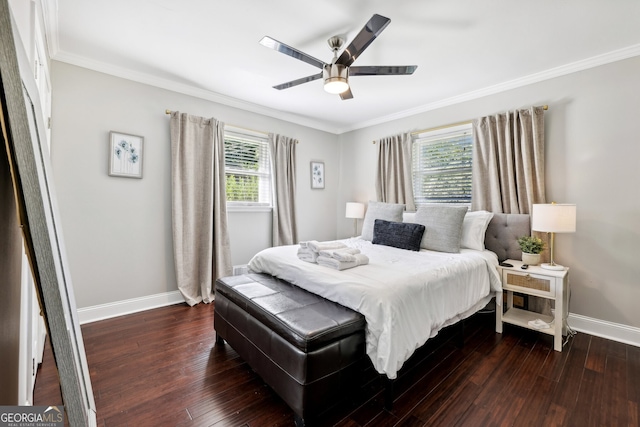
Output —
<point x="199" y="207"/>
<point x="283" y="170"/>
<point x="508" y="161"/>
<point x="394" y="183"/>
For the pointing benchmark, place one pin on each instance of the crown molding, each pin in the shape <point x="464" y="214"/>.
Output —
<point x="573" y="67"/>
<point x="50" y="8"/>
<point x="50" y="14"/>
<point x="190" y="90"/>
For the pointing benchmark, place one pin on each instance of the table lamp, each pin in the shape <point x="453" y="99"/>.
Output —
<point x="553" y="218"/>
<point x="356" y="211"/>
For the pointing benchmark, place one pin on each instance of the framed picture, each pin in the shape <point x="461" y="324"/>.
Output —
<point x="317" y="174"/>
<point x="125" y="155"/>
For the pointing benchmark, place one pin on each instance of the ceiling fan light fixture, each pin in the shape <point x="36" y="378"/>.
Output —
<point x="336" y="78"/>
<point x="335" y="74"/>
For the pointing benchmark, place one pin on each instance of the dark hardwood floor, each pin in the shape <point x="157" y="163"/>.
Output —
<point x="161" y="368"/>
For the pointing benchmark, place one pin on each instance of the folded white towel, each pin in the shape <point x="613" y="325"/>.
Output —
<point x="324" y="246"/>
<point x="360" y="259"/>
<point x="306" y="254"/>
<point x="303" y="244"/>
<point x="344" y="254"/>
<point x="347" y="254"/>
<point x="539" y="324"/>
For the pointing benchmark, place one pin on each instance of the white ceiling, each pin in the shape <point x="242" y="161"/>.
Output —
<point x="463" y="49"/>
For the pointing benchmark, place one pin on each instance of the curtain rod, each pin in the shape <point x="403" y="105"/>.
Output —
<point x="544" y="107"/>
<point x="232" y="125"/>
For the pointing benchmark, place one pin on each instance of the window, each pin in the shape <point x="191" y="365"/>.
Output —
<point x="247" y="168"/>
<point x="442" y="165"/>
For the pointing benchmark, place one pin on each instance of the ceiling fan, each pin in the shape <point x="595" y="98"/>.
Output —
<point x="336" y="73"/>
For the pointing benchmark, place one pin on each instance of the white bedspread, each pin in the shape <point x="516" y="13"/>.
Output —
<point x="406" y="297"/>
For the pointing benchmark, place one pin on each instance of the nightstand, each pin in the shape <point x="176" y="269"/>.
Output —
<point x="537" y="281"/>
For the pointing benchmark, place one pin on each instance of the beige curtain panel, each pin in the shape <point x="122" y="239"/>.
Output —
<point x="394" y="183"/>
<point x="199" y="208"/>
<point x="283" y="170"/>
<point x="508" y="168"/>
<point x="508" y="161"/>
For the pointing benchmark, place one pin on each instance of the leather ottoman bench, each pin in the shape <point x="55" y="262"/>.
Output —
<point x="307" y="349"/>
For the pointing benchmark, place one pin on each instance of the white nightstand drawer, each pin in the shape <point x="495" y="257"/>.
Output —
<point x="532" y="284"/>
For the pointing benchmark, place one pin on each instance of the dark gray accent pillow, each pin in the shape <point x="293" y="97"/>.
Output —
<point x="443" y="227"/>
<point x="380" y="210"/>
<point x="401" y="235"/>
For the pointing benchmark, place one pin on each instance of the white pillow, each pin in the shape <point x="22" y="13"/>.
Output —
<point x="409" y="217"/>
<point x="380" y="210"/>
<point x="474" y="228"/>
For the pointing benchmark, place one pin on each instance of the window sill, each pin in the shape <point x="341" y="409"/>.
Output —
<point x="245" y="208"/>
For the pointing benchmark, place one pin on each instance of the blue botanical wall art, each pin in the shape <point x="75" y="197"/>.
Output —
<point x="317" y="175"/>
<point x="125" y="155"/>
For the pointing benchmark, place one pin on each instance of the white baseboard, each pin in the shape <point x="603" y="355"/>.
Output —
<point x="609" y="330"/>
<point x="134" y="305"/>
<point x="588" y="325"/>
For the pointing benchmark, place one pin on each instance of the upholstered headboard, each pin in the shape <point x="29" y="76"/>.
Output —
<point x="502" y="232"/>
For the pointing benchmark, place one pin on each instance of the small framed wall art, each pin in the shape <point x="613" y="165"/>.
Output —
<point x="317" y="175"/>
<point x="125" y="155"/>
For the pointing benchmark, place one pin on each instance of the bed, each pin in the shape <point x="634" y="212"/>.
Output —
<point x="406" y="296"/>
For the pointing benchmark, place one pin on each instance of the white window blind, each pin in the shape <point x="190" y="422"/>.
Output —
<point x="442" y="165"/>
<point x="247" y="169"/>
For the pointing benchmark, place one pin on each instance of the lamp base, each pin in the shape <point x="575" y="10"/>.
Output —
<point x="548" y="266"/>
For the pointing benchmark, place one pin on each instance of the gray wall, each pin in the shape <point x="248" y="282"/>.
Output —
<point x="592" y="153"/>
<point x="118" y="230"/>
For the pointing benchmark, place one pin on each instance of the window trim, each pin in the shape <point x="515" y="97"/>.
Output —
<point x="238" y="207"/>
<point x="243" y="206"/>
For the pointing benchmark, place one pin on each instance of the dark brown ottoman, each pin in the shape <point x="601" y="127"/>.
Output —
<point x="307" y="349"/>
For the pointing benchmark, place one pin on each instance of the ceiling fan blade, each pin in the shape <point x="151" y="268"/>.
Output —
<point x="291" y="51"/>
<point x="346" y="94"/>
<point x="369" y="32"/>
<point x="382" y="70"/>
<point x="298" y="81"/>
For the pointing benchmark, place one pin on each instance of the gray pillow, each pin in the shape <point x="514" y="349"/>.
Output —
<point x="380" y="210"/>
<point x="443" y="227"/>
<point x="401" y="235"/>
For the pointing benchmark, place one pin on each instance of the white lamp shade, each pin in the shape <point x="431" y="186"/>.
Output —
<point x="354" y="210"/>
<point x="554" y="218"/>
